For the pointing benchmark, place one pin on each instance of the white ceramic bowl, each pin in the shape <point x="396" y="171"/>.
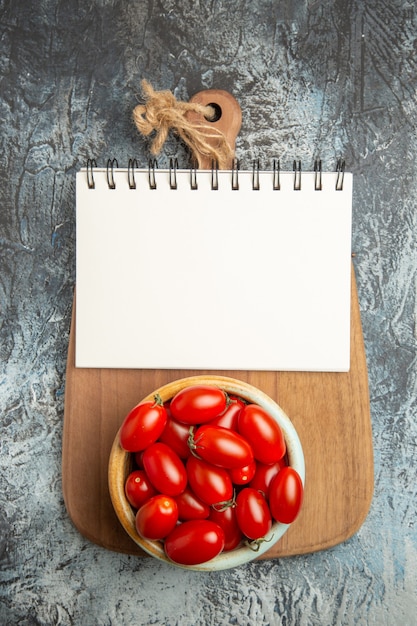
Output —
<point x="120" y="464"/>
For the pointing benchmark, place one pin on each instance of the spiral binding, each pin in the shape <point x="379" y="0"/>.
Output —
<point x="317" y="176"/>
<point x="153" y="163"/>
<point x="255" y="175"/>
<point x="297" y="175"/>
<point x="214" y="176"/>
<point x="235" y="175"/>
<point x="193" y="177"/>
<point x="276" y="184"/>
<point x="131" y="173"/>
<point x="112" y="164"/>
<point x="173" y="165"/>
<point x="91" y="163"/>
<point x="340" y="170"/>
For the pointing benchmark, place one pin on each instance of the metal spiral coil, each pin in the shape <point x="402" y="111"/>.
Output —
<point x="133" y="165"/>
<point x="111" y="164"/>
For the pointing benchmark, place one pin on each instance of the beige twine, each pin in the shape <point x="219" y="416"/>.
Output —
<point x="162" y="112"/>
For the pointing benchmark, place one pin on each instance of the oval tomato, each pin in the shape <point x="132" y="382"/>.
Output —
<point x="198" y="404"/>
<point x="190" y="506"/>
<point x="138" y="488"/>
<point x="243" y="475"/>
<point x="263" y="433"/>
<point x="157" y="517"/>
<point x="211" y="484"/>
<point x="165" y="469"/>
<point x="175" y="435"/>
<point x="143" y="425"/>
<point x="221" y="446"/>
<point x="264" y="474"/>
<point x="138" y="456"/>
<point x="252" y="512"/>
<point x="194" y="542"/>
<point x="227" y="520"/>
<point x="286" y="494"/>
<point x="229" y="418"/>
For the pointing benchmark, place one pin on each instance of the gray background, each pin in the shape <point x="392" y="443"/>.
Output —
<point x="314" y="79"/>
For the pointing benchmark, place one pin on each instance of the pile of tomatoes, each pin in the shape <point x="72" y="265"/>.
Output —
<point x="210" y="472"/>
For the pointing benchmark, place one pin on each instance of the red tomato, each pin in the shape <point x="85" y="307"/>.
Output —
<point x="264" y="474"/>
<point x="221" y="446"/>
<point x="263" y="433"/>
<point x="227" y="520"/>
<point x="175" y="435"/>
<point x="286" y="494"/>
<point x="165" y="469"/>
<point x="212" y="484"/>
<point x="190" y="506"/>
<point x="252" y="512"/>
<point x="138" y="488"/>
<point x="139" y="459"/>
<point x="194" y="542"/>
<point x="243" y="475"/>
<point x="198" y="404"/>
<point x="157" y="517"/>
<point x="229" y="418"/>
<point x="143" y="425"/>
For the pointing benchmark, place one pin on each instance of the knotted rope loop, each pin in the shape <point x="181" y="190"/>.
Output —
<point x="162" y="113"/>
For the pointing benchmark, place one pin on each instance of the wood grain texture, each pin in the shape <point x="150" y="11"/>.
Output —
<point x="228" y="123"/>
<point x="330" y="412"/>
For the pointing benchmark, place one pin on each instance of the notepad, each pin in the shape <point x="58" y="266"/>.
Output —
<point x="203" y="270"/>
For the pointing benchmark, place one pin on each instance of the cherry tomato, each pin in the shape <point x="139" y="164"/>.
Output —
<point x="198" y="404"/>
<point x="286" y="494"/>
<point x="252" y="512"/>
<point x="227" y="520"/>
<point x="165" y="469"/>
<point x="190" y="506"/>
<point x="143" y="425"/>
<point x="157" y="517"/>
<point x="138" y="488"/>
<point x="229" y="418"/>
<point x="139" y="459"/>
<point x="263" y="433"/>
<point x="211" y="484"/>
<point x="194" y="542"/>
<point x="264" y="475"/>
<point x="175" y="435"/>
<point x="243" y="475"/>
<point x="221" y="446"/>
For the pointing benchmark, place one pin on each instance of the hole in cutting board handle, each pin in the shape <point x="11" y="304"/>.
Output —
<point x="217" y="112"/>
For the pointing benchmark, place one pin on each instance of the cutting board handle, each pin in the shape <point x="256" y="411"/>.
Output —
<point x="228" y="119"/>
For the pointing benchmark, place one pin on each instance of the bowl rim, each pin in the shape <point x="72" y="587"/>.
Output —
<point x="120" y="458"/>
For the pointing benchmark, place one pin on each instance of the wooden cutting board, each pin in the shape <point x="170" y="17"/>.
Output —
<point x="329" y="410"/>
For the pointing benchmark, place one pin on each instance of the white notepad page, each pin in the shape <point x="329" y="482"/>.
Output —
<point x="213" y="279"/>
